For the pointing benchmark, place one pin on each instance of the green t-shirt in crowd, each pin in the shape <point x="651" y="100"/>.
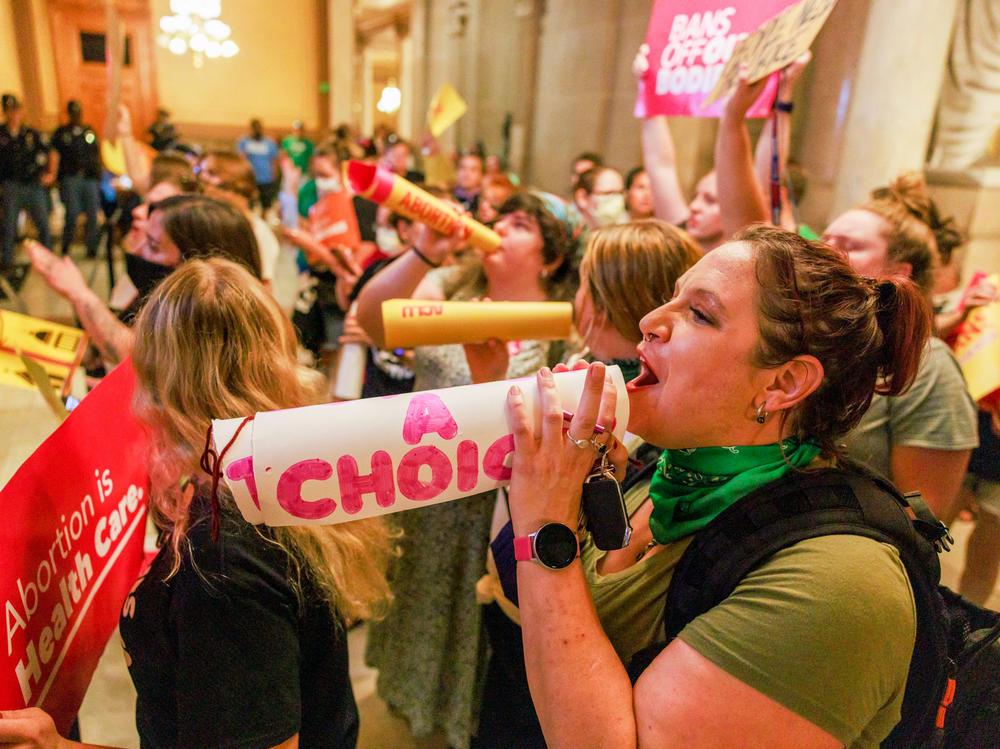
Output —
<point x="308" y="197"/>
<point x="299" y="150"/>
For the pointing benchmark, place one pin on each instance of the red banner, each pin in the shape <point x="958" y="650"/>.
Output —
<point x="70" y="549"/>
<point x="689" y="44"/>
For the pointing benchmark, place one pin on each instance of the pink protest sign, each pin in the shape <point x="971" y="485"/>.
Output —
<point x="70" y="549"/>
<point x="690" y="42"/>
<point x="345" y="461"/>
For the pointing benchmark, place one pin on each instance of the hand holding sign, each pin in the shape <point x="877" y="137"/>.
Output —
<point x="687" y="46"/>
<point x="774" y="45"/>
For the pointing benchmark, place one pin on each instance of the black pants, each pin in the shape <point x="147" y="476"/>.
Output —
<point x="80" y="195"/>
<point x="507" y="718"/>
<point x="30" y="197"/>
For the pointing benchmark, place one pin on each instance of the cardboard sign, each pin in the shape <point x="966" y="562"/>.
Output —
<point x="445" y="110"/>
<point x="977" y="348"/>
<point x="333" y="221"/>
<point x="321" y="465"/>
<point x="690" y="42"/>
<point x="58" y="348"/>
<point x="414" y="322"/>
<point x="70" y="549"/>
<point x="382" y="186"/>
<point x="775" y="44"/>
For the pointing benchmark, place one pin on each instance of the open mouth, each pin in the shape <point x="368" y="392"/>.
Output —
<point x="645" y="377"/>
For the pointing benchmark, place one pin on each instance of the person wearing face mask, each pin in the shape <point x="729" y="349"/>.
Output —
<point x="318" y="316"/>
<point x="175" y="229"/>
<point x="600" y="197"/>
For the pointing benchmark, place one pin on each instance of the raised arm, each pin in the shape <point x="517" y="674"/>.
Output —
<point x="137" y="168"/>
<point x="741" y="200"/>
<point x="659" y="158"/>
<point x="783" y="117"/>
<point x="110" y="335"/>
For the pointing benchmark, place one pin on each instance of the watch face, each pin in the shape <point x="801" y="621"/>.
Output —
<point x="555" y="545"/>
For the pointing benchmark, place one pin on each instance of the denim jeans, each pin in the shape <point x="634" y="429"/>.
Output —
<point x="18" y="196"/>
<point x="80" y="195"/>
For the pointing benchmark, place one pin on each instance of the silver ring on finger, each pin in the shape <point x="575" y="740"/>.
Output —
<point x="582" y="444"/>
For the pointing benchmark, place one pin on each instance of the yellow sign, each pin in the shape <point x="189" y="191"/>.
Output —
<point x="57" y="348"/>
<point x="113" y="156"/>
<point x="445" y="109"/>
<point x="977" y="347"/>
<point x="774" y="45"/>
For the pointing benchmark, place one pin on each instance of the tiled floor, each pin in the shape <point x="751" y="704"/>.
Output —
<point x="107" y="715"/>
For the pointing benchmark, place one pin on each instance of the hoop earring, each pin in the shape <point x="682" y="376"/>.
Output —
<point x="761" y="413"/>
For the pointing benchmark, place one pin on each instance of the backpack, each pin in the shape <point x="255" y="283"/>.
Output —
<point x="952" y="696"/>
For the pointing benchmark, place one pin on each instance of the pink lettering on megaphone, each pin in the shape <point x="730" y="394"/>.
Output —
<point x="289" y="489"/>
<point x="409" y="473"/>
<point x="353" y="485"/>
<point x="468" y="465"/>
<point x="242" y="470"/>
<point x="496" y="454"/>
<point x="427" y="413"/>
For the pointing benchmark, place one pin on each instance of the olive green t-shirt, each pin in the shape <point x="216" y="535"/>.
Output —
<point x="826" y="628"/>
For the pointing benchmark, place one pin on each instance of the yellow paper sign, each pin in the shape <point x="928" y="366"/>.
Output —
<point x="57" y="348"/>
<point x="113" y="156"/>
<point x="977" y="347"/>
<point x="774" y="45"/>
<point x="445" y="109"/>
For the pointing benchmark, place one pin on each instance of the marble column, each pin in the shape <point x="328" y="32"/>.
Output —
<point x="340" y="33"/>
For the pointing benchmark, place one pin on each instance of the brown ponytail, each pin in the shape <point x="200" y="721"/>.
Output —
<point x="868" y="336"/>
<point x="903" y="317"/>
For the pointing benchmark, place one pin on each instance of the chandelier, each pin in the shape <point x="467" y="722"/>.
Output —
<point x="195" y="26"/>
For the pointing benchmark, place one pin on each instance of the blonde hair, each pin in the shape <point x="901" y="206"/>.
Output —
<point x="908" y="209"/>
<point x="631" y="269"/>
<point x="211" y="343"/>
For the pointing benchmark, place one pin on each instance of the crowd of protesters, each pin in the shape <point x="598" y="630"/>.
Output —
<point x="750" y="349"/>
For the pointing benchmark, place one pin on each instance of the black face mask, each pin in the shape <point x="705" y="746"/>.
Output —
<point x="145" y="274"/>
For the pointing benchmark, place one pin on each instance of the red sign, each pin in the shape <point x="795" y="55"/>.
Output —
<point x="70" y="549"/>
<point x="333" y="221"/>
<point x="689" y="43"/>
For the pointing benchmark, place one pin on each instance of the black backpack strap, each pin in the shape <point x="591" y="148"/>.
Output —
<point x="808" y="504"/>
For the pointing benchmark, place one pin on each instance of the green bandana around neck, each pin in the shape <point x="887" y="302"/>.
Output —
<point x="690" y="487"/>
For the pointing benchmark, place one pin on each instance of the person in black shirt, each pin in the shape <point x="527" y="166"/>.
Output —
<point x="79" y="176"/>
<point x="25" y="174"/>
<point x="236" y="634"/>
